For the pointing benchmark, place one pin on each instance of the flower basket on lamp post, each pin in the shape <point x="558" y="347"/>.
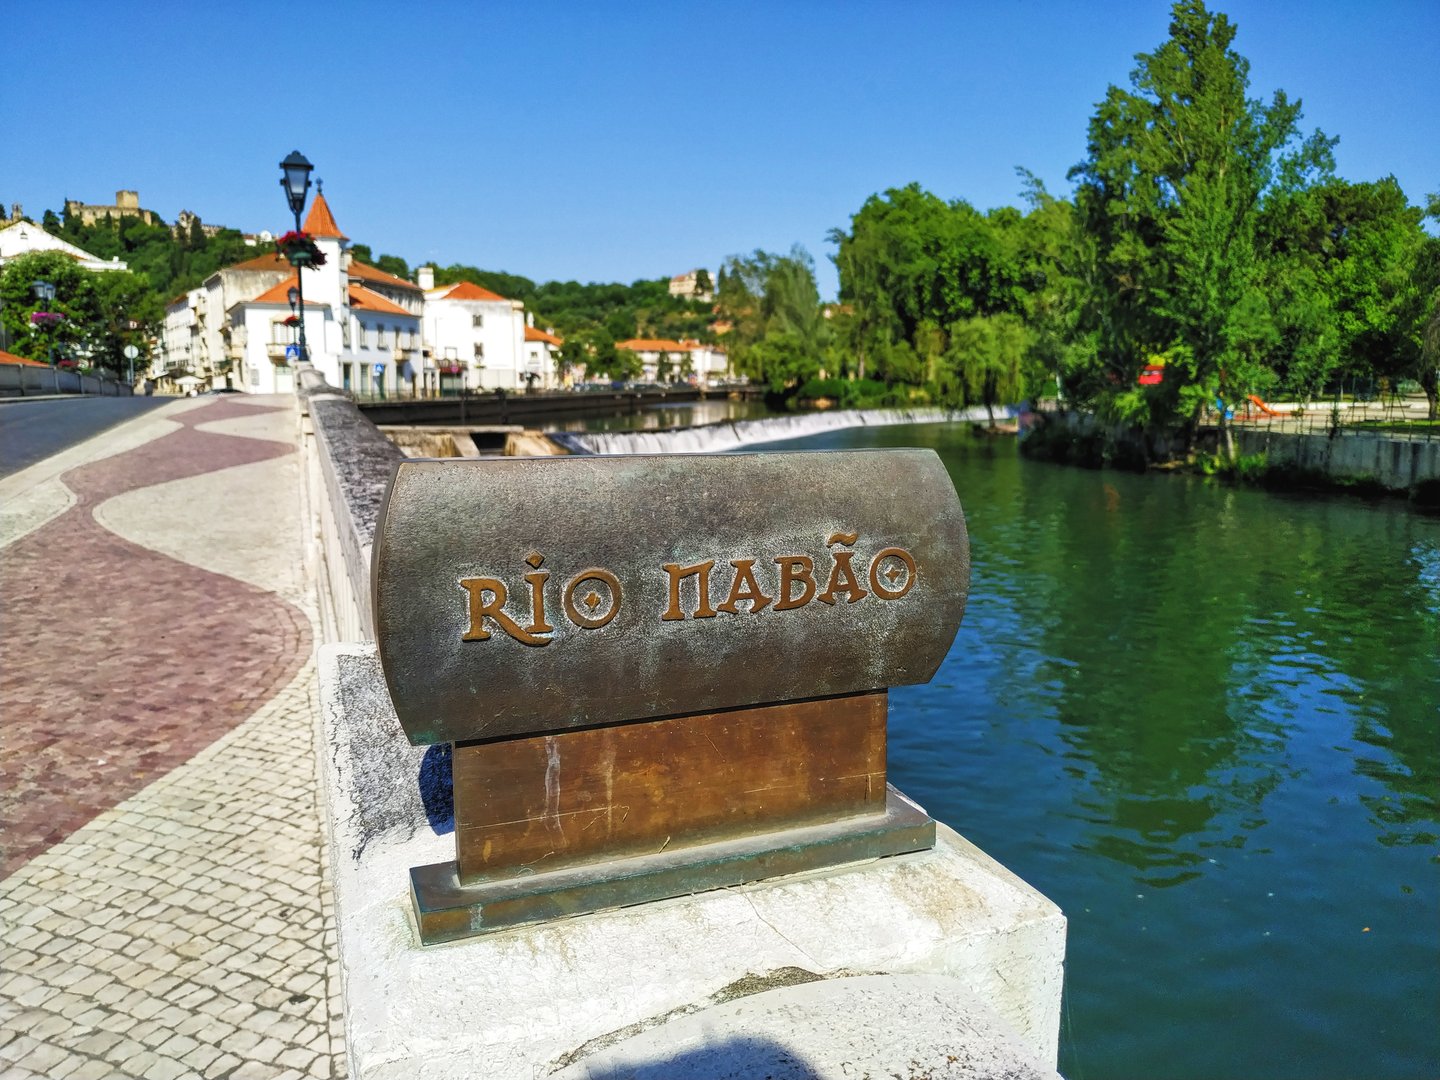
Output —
<point x="299" y="249"/>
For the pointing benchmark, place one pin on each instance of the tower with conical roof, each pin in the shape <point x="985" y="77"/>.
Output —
<point x="326" y="284"/>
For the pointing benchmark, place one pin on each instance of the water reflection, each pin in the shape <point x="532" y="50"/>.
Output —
<point x="1207" y="723"/>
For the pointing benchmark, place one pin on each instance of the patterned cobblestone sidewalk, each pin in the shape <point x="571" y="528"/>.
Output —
<point x="174" y="921"/>
<point x="117" y="662"/>
<point x="185" y="932"/>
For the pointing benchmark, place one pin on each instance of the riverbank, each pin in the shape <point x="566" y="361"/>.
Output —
<point x="1350" y="461"/>
<point x="1201" y="718"/>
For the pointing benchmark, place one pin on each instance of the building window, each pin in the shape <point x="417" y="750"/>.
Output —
<point x="479" y="353"/>
<point x="380" y="337"/>
<point x="477" y="321"/>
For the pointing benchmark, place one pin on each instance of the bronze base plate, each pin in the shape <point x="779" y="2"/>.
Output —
<point x="446" y="910"/>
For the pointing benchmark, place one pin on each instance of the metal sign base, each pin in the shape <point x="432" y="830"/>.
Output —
<point x="446" y="910"/>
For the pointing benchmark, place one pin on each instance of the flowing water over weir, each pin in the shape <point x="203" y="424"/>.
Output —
<point x="1206" y="722"/>
<point x="733" y="435"/>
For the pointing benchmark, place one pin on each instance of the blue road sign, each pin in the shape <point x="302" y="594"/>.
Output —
<point x="379" y="369"/>
<point x="292" y="352"/>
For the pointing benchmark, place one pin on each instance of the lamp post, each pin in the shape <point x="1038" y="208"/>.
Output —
<point x="295" y="179"/>
<point x="45" y="292"/>
<point x="296" y="312"/>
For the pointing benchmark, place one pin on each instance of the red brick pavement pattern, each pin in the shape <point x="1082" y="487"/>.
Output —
<point x="118" y="663"/>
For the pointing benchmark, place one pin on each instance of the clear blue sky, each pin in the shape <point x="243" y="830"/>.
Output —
<point x="614" y="142"/>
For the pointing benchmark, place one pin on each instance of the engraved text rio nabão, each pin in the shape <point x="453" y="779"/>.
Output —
<point x="591" y="598"/>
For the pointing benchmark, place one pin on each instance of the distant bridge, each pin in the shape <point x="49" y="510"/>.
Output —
<point x="504" y="407"/>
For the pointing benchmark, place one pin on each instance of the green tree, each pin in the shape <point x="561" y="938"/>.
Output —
<point x="779" y="334"/>
<point x="621" y="324"/>
<point x="1171" y="189"/>
<point x="986" y="359"/>
<point x="57" y="340"/>
<point x="572" y="357"/>
<point x="101" y="312"/>
<point x="1423" y="315"/>
<point x="913" y="264"/>
<point x="126" y="311"/>
<point x="702" y="281"/>
<point x="394" y="264"/>
<point x="1060" y="256"/>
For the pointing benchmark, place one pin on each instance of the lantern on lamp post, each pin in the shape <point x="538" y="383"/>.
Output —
<point x="295" y="179"/>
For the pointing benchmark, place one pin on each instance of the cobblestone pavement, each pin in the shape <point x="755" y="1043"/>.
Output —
<point x="118" y="663"/>
<point x="166" y="909"/>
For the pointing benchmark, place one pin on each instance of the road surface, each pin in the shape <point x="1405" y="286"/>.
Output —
<point x="32" y="430"/>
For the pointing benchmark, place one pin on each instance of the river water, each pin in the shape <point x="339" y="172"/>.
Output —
<point x="1206" y="722"/>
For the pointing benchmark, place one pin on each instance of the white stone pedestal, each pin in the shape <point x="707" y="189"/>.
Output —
<point x="794" y="968"/>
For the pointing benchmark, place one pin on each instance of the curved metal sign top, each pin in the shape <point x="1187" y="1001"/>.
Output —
<point x="521" y="596"/>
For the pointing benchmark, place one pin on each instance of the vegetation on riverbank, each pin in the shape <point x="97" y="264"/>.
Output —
<point x="1208" y="252"/>
<point x="1094" y="445"/>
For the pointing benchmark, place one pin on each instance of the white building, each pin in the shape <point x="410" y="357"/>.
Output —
<point x="541" y="347"/>
<point x="476" y="338"/>
<point x="362" y="325"/>
<point x="197" y="337"/>
<point x="689" y="286"/>
<point x="21" y="237"/>
<point x="684" y="361"/>
<point x="367" y="331"/>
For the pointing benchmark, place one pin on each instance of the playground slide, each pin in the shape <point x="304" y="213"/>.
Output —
<point x="1263" y="407"/>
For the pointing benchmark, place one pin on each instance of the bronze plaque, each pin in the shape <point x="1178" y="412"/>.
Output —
<point x="539" y="804"/>
<point x="447" y="909"/>
<point x="528" y="596"/>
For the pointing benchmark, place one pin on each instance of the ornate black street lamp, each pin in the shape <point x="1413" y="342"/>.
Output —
<point x="295" y="179"/>
<point x="45" y="292"/>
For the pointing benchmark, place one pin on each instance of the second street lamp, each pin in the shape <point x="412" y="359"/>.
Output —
<point x="45" y="292"/>
<point x="295" y="179"/>
<point x="296" y="312"/>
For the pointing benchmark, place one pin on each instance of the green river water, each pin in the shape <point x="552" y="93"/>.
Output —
<point x="1206" y="722"/>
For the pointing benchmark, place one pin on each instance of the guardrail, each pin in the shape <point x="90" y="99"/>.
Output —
<point x="347" y="464"/>
<point x="27" y="380"/>
<point x="1388" y="416"/>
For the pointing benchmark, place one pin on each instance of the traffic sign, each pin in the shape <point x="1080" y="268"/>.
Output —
<point x="292" y="352"/>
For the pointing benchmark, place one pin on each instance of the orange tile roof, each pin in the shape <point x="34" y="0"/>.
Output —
<point x="263" y="262"/>
<point x="361" y="297"/>
<point x="321" y="223"/>
<point x="280" y="294"/>
<point x="11" y="358"/>
<point x="532" y="334"/>
<point x="374" y="273"/>
<point x="468" y="290"/>
<point x="656" y="345"/>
